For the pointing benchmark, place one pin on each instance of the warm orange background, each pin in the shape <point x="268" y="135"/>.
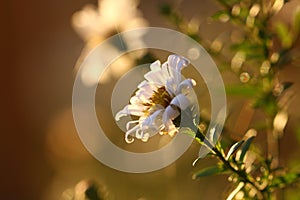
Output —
<point x="39" y="50"/>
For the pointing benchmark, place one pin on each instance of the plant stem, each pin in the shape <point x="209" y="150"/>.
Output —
<point x="243" y="176"/>
<point x="241" y="173"/>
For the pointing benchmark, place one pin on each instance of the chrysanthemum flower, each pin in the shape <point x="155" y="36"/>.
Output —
<point x="159" y="100"/>
<point x="95" y="24"/>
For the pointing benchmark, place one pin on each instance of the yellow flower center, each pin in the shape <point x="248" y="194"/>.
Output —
<point x="159" y="97"/>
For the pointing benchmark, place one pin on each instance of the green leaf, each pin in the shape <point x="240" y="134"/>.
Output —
<point x="246" y="148"/>
<point x="246" y="46"/>
<point x="253" y="51"/>
<point x="284" y="35"/>
<point x="233" y="148"/>
<point x="208" y="172"/>
<point x="242" y="90"/>
<point x="285" y="180"/>
<point x="268" y="102"/>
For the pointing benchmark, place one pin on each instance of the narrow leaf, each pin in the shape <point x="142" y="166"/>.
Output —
<point x="233" y="148"/>
<point x="245" y="148"/>
<point x="208" y="171"/>
<point x="195" y="161"/>
<point x="284" y="35"/>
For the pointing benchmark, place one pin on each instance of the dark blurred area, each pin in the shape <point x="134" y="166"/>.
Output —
<point x="41" y="154"/>
<point x="39" y="49"/>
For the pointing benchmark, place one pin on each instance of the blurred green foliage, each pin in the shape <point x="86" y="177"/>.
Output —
<point x="266" y="48"/>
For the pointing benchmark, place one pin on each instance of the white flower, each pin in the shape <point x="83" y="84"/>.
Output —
<point x="95" y="24"/>
<point x="158" y="100"/>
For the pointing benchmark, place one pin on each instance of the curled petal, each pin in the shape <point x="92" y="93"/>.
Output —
<point x="177" y="62"/>
<point x="145" y="137"/>
<point x="139" y="134"/>
<point x="170" y="114"/>
<point x="175" y="65"/>
<point x="136" y="110"/>
<point x="181" y="101"/>
<point x="186" y="85"/>
<point x="129" y="132"/>
<point x="156" y="109"/>
<point x="131" y="122"/>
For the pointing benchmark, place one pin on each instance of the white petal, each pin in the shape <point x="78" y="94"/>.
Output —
<point x="155" y="77"/>
<point x="172" y="131"/>
<point x="139" y="134"/>
<point x="181" y="101"/>
<point x="171" y="128"/>
<point x="130" y="110"/>
<point x="131" y="122"/>
<point x="135" y="100"/>
<point x="155" y="66"/>
<point x="142" y="84"/>
<point x="152" y="121"/>
<point x="178" y="62"/>
<point x="120" y="114"/>
<point x="185" y="85"/>
<point x="170" y="114"/>
<point x="143" y="95"/>
<point x="175" y="65"/>
<point x="171" y="87"/>
<point x="146" y="85"/>
<point x="129" y="140"/>
<point x="127" y="134"/>
<point x="145" y="137"/>
<point x="165" y="71"/>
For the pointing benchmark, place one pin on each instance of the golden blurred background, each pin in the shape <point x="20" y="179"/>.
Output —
<point x="41" y="154"/>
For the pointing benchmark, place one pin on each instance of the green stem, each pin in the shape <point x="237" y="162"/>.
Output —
<point x="241" y="173"/>
<point x="243" y="176"/>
